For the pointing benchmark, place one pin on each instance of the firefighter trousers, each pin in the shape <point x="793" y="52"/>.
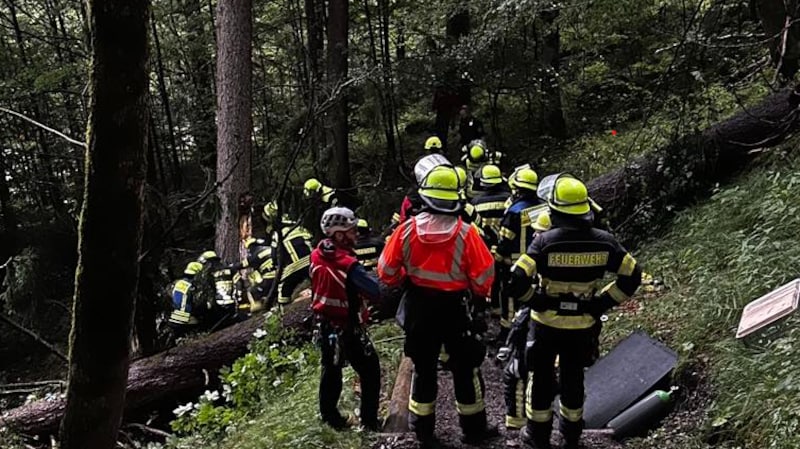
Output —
<point x="573" y="347"/>
<point x="515" y="381"/>
<point x="355" y="347"/>
<point x="434" y="319"/>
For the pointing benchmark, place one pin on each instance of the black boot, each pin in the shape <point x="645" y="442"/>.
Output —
<point x="571" y="432"/>
<point x="537" y="434"/>
<point x="475" y="438"/>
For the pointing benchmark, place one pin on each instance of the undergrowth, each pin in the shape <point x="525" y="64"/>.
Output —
<point x="269" y="397"/>
<point x="719" y="256"/>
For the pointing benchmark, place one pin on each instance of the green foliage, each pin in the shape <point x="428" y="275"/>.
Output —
<point x="717" y="258"/>
<point x="269" y="397"/>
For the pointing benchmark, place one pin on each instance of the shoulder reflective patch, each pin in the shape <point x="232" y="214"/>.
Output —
<point x="182" y="286"/>
<point x="367" y="250"/>
<point x="576" y="260"/>
<point x="533" y="212"/>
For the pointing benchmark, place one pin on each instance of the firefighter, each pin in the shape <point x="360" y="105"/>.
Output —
<point x="260" y="258"/>
<point x="516" y="232"/>
<point x="338" y="282"/>
<point x="476" y="154"/>
<point x="189" y="309"/>
<point x="571" y="261"/>
<point x="315" y="190"/>
<point x="490" y="204"/>
<point x="368" y="247"/>
<point x="468" y="211"/>
<point x="442" y="261"/>
<point x="515" y="373"/>
<point x="434" y="145"/>
<point x="293" y="252"/>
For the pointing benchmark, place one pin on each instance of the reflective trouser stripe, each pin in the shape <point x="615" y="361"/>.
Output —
<point x="479" y="405"/>
<point x="419" y="408"/>
<point x="515" y="422"/>
<point x="443" y="355"/>
<point x="535" y="415"/>
<point x="570" y="414"/>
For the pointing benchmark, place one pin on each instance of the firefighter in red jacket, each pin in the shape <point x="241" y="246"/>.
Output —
<point x="441" y="260"/>
<point x="338" y="282"/>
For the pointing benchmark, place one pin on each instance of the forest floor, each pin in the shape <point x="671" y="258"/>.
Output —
<point x="689" y="411"/>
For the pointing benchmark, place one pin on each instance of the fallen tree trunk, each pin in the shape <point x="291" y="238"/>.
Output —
<point x="185" y="369"/>
<point x="644" y="192"/>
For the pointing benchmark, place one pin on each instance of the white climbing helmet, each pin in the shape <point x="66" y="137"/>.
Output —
<point x="337" y="219"/>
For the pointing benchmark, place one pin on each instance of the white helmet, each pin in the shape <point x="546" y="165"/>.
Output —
<point x="425" y="165"/>
<point x="337" y="219"/>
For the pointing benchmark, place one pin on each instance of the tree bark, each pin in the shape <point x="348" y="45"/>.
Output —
<point x="9" y="236"/>
<point x="200" y="65"/>
<point x="112" y="206"/>
<point x="777" y="19"/>
<point x="646" y="191"/>
<point x="164" y="96"/>
<point x="550" y="87"/>
<point x="338" y="24"/>
<point x="183" y="370"/>
<point x="234" y="119"/>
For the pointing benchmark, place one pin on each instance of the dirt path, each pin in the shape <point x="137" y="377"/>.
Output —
<point x="449" y="432"/>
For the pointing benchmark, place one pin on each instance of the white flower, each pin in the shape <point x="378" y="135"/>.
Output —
<point x="261" y="358"/>
<point x="277" y="382"/>
<point x="259" y="333"/>
<point x="273" y="346"/>
<point x="210" y="396"/>
<point x="182" y="410"/>
<point x="227" y="392"/>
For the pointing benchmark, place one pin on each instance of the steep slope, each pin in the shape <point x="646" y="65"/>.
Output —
<point x="717" y="257"/>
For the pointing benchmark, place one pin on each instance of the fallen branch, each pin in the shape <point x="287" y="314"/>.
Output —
<point x="150" y="430"/>
<point x="41" y="383"/>
<point x="33" y="335"/>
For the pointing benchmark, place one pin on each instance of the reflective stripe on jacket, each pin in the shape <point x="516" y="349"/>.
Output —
<point x="329" y="268"/>
<point x="457" y="262"/>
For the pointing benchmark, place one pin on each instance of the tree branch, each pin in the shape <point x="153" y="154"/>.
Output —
<point x="44" y="127"/>
<point x="33" y="335"/>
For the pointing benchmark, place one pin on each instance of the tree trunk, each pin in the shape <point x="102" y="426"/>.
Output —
<point x="8" y="238"/>
<point x="112" y="205"/>
<point x="183" y="370"/>
<point x="550" y="86"/>
<point x="200" y="64"/>
<point x="778" y="18"/>
<point x="338" y="23"/>
<point x="234" y="118"/>
<point x="150" y="297"/>
<point x="645" y="191"/>
<point x="164" y="96"/>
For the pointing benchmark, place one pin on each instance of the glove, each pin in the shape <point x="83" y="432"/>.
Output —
<point x="598" y="306"/>
<point x="518" y="283"/>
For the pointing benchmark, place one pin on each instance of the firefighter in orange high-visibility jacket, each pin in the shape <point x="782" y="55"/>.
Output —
<point x="571" y="260"/>
<point x="338" y="283"/>
<point x="442" y="261"/>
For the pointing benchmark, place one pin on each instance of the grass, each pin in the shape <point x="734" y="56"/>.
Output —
<point x="719" y="256"/>
<point x="287" y="414"/>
